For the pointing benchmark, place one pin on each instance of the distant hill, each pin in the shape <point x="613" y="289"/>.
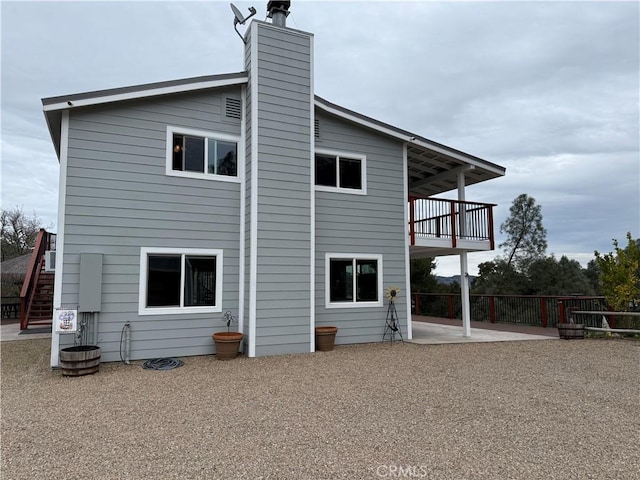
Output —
<point x="454" y="279"/>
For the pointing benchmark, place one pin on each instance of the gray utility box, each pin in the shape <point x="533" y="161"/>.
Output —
<point x="90" y="298"/>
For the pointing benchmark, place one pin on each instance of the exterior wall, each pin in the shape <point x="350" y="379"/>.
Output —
<point x="280" y="66"/>
<point x="356" y="224"/>
<point x="119" y="199"/>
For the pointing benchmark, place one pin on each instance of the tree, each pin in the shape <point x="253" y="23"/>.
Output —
<point x="18" y="232"/>
<point x="526" y="237"/>
<point x="548" y="276"/>
<point x="620" y="274"/>
<point x="592" y="273"/>
<point x="422" y="278"/>
<point x="499" y="278"/>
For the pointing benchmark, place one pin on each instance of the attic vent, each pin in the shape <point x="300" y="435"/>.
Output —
<point x="233" y="108"/>
<point x="317" y="128"/>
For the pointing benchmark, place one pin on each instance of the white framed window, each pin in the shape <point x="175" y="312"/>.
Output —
<point x="199" y="154"/>
<point x="175" y="280"/>
<point x="340" y="172"/>
<point x="353" y="280"/>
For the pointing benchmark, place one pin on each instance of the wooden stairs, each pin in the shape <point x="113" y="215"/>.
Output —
<point x="40" y="311"/>
<point x="36" y="297"/>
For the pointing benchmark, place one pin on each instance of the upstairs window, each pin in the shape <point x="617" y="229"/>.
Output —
<point x="202" y="154"/>
<point x="341" y="172"/>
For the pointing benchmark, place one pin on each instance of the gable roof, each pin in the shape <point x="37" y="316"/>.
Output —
<point x="433" y="167"/>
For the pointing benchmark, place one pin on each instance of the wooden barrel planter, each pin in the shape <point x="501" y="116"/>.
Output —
<point x="571" y="331"/>
<point x="227" y="344"/>
<point x="325" y="338"/>
<point x="80" y="360"/>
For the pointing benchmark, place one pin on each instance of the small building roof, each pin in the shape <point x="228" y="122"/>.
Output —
<point x="16" y="266"/>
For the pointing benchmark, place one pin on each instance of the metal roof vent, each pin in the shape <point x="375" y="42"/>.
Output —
<point x="278" y="11"/>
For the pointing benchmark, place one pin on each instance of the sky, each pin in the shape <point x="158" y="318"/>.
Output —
<point x="548" y="90"/>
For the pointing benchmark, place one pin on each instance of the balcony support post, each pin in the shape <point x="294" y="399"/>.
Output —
<point x="464" y="295"/>
<point x="464" y="263"/>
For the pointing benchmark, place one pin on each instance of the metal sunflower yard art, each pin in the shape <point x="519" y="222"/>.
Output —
<point x="392" y="292"/>
<point x="392" y="326"/>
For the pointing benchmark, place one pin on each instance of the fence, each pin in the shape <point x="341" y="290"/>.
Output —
<point x="536" y="310"/>
<point x="10" y="307"/>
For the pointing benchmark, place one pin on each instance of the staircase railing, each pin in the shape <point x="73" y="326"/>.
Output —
<point x="43" y="243"/>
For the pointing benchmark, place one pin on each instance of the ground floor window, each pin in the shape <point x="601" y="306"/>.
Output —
<point x="353" y="280"/>
<point x="177" y="281"/>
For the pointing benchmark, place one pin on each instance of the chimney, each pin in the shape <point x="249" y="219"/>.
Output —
<point x="278" y="11"/>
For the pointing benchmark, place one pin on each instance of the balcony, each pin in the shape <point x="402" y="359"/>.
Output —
<point x="447" y="227"/>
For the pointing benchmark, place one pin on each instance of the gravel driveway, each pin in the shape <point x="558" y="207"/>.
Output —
<point x="521" y="410"/>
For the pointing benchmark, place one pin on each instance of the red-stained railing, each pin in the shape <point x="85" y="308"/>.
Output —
<point x="44" y="242"/>
<point x="537" y="310"/>
<point x="450" y="219"/>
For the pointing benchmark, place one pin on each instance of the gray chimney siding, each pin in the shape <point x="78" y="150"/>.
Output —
<point x="279" y="239"/>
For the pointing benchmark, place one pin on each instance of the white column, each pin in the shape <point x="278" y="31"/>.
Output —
<point x="464" y="291"/>
<point x="464" y="266"/>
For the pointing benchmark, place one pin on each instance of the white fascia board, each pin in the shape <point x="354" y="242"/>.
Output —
<point x="118" y="97"/>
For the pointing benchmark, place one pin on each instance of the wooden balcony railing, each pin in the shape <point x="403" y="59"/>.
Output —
<point x="450" y="219"/>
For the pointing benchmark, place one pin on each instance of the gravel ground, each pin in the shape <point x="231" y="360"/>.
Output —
<point x="532" y="410"/>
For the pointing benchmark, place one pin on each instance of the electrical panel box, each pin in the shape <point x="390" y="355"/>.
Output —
<point x="90" y="297"/>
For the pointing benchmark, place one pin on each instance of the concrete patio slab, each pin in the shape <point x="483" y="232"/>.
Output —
<point x="434" y="334"/>
<point x="11" y="331"/>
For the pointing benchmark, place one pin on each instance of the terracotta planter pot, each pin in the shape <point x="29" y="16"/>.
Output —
<point x="571" y="331"/>
<point x="325" y="338"/>
<point x="227" y="344"/>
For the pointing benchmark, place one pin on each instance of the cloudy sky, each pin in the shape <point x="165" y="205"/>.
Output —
<point x="549" y="90"/>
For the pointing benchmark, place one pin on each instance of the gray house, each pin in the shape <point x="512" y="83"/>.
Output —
<point x="245" y="192"/>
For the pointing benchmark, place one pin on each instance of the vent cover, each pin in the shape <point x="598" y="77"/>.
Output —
<point x="317" y="128"/>
<point x="233" y="108"/>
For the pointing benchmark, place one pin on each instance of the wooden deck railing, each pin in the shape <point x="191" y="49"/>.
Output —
<point x="452" y="219"/>
<point x="537" y="310"/>
<point x="44" y="242"/>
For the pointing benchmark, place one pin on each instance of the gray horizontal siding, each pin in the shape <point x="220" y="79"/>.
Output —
<point x="362" y="224"/>
<point x="119" y="199"/>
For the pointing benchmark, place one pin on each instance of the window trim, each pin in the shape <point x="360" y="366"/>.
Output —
<point x="348" y="155"/>
<point x="142" y="288"/>
<point x="171" y="130"/>
<point x="352" y="256"/>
